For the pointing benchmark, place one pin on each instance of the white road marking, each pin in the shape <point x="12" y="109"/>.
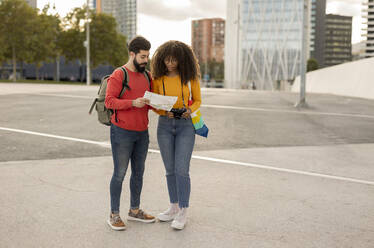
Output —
<point x="305" y="173"/>
<point x="104" y="144"/>
<point x="224" y="161"/>
<point x="287" y="111"/>
<point x="241" y="108"/>
<point x="64" y="95"/>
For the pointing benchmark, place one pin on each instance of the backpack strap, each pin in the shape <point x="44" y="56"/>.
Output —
<point x="92" y="106"/>
<point x="148" y="77"/>
<point x="125" y="86"/>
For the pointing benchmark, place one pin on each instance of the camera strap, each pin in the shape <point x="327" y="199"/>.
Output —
<point x="163" y="85"/>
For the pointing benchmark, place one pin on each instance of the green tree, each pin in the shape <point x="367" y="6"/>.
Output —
<point x="119" y="54"/>
<point x="43" y="42"/>
<point x="16" y="20"/>
<point x="214" y="69"/>
<point x="312" y="64"/>
<point x="2" y="49"/>
<point x="106" y="44"/>
<point x="72" y="35"/>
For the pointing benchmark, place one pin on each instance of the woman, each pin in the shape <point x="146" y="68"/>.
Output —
<point x="174" y="67"/>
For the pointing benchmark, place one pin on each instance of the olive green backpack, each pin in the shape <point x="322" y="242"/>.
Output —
<point x="104" y="115"/>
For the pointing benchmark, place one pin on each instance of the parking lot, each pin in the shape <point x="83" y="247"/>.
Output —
<point x="269" y="175"/>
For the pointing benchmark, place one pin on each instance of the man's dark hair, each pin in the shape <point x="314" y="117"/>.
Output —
<point x="139" y="43"/>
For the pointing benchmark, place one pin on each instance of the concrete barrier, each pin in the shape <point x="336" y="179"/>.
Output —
<point x="349" y="79"/>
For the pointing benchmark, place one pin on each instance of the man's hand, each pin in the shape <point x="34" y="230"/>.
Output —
<point x="140" y="102"/>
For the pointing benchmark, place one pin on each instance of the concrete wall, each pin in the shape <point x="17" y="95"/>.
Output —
<point x="349" y="79"/>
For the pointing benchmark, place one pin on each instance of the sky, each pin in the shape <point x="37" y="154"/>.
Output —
<point x="163" y="20"/>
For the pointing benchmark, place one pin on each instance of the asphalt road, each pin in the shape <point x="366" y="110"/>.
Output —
<point x="269" y="175"/>
<point x="236" y="119"/>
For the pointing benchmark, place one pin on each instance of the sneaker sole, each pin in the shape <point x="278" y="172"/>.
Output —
<point x="178" y="227"/>
<point x="116" y="228"/>
<point x="141" y="220"/>
<point x="165" y="220"/>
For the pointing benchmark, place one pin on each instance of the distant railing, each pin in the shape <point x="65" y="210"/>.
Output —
<point x="212" y="84"/>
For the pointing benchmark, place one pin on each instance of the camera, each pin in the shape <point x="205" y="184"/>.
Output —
<point x="178" y="112"/>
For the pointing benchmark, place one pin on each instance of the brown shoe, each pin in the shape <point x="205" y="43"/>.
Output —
<point x="116" y="223"/>
<point x="140" y="215"/>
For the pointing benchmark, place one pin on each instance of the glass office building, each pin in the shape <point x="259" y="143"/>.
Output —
<point x="368" y="14"/>
<point x="124" y="11"/>
<point x="32" y="3"/>
<point x="269" y="40"/>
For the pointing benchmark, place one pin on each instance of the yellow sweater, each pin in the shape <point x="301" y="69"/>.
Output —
<point x="173" y="88"/>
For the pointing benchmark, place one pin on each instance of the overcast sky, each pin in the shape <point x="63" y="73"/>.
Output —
<point x="163" y="20"/>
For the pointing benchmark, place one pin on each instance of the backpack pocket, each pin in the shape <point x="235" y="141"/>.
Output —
<point x="103" y="114"/>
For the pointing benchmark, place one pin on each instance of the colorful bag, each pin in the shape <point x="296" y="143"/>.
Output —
<point x="197" y="121"/>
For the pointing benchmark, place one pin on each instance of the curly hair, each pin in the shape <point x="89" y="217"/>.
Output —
<point x="188" y="66"/>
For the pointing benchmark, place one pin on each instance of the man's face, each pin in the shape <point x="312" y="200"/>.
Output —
<point x="141" y="60"/>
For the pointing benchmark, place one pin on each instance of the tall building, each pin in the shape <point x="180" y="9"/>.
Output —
<point x="32" y="3"/>
<point x="263" y="42"/>
<point x="338" y="47"/>
<point x="208" y="36"/>
<point x="124" y="11"/>
<point x="358" y="50"/>
<point x="317" y="31"/>
<point x="368" y="13"/>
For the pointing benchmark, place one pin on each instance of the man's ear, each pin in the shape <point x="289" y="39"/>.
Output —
<point x="132" y="55"/>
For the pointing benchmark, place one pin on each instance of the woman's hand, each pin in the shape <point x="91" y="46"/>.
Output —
<point x="187" y="114"/>
<point x="169" y="114"/>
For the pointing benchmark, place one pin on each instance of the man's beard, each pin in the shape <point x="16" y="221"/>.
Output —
<point x="139" y="67"/>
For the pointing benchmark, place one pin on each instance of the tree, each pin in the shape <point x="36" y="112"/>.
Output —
<point x="214" y="69"/>
<point x="107" y="45"/>
<point x="119" y="53"/>
<point x="312" y="65"/>
<point x="3" y="48"/>
<point x="72" y="35"/>
<point x="16" y="19"/>
<point x="43" y="40"/>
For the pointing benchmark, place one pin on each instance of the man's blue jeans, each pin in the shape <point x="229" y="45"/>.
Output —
<point x="127" y="145"/>
<point x="176" y="139"/>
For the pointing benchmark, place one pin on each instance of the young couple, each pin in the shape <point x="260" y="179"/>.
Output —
<point x="173" y="66"/>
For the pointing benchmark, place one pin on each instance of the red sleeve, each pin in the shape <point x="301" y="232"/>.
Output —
<point x="113" y="90"/>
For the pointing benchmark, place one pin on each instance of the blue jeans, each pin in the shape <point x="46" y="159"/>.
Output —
<point x="125" y="145"/>
<point x="176" y="139"/>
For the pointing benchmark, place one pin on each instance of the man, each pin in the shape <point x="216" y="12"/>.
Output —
<point x="129" y="131"/>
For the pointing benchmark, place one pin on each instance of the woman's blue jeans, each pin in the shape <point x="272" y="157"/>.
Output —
<point x="127" y="145"/>
<point x="176" y="139"/>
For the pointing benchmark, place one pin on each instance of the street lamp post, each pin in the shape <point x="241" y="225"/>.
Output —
<point x="302" y="103"/>
<point x="238" y="83"/>
<point x="88" y="72"/>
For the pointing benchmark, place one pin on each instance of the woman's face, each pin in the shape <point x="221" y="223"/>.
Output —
<point x="171" y="63"/>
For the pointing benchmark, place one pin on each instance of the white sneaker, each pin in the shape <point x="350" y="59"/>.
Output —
<point x="169" y="214"/>
<point x="180" y="220"/>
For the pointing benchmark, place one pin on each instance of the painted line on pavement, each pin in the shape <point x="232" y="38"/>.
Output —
<point x="241" y="108"/>
<point x="223" y="161"/>
<point x="64" y="95"/>
<point x="287" y="111"/>
<point x="305" y="173"/>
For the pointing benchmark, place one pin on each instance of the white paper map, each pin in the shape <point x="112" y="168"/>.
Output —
<point x="159" y="101"/>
